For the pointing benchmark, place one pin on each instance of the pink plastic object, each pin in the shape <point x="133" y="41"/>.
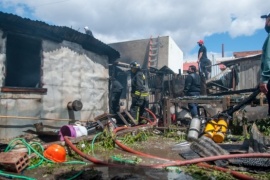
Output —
<point x="67" y="130"/>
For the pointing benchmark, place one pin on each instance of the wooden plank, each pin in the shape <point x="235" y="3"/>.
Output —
<point x="24" y="90"/>
<point x="123" y="119"/>
<point x="100" y="117"/>
<point x="166" y="113"/>
<point x="130" y="117"/>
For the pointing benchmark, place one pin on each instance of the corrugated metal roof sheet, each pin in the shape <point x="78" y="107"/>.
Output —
<point x="236" y="60"/>
<point x="246" y="53"/>
<point x="10" y="23"/>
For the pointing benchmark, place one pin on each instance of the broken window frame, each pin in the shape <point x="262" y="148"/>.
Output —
<point x="29" y="45"/>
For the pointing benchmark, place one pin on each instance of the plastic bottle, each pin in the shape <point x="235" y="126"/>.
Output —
<point x="111" y="126"/>
<point x="194" y="129"/>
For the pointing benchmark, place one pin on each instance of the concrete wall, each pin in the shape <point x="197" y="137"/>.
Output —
<point x="175" y="57"/>
<point x="69" y="73"/>
<point x="136" y="50"/>
<point x="169" y="53"/>
<point x="163" y="54"/>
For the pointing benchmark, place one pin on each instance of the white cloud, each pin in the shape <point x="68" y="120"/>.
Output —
<point x="245" y="27"/>
<point x="122" y="20"/>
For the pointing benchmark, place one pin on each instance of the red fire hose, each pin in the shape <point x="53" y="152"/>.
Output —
<point x="171" y="162"/>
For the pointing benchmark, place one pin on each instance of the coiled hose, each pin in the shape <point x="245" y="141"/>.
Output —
<point x="31" y="150"/>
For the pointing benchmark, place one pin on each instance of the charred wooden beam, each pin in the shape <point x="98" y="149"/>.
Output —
<point x="24" y="90"/>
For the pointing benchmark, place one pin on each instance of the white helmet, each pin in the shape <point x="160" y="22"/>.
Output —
<point x="86" y="28"/>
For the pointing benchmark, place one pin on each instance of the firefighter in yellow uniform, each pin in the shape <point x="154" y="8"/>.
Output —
<point x="139" y="93"/>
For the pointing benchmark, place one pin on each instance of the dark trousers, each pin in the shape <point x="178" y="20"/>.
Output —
<point x="115" y="101"/>
<point x="193" y="107"/>
<point x="204" y="69"/>
<point x="138" y="106"/>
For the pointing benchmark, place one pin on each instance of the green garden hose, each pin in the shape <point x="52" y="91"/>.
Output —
<point x="2" y="173"/>
<point x="31" y="150"/>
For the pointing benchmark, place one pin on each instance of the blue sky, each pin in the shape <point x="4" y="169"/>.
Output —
<point x="236" y="24"/>
<point x="237" y="44"/>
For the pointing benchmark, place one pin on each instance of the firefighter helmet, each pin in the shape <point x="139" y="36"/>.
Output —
<point x="135" y="65"/>
<point x="55" y="153"/>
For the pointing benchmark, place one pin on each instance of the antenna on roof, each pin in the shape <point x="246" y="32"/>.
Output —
<point x="222" y="50"/>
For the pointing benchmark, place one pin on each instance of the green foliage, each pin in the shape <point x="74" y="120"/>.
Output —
<point x="106" y="140"/>
<point x="133" y="137"/>
<point x="84" y="146"/>
<point x="35" y="159"/>
<point x="173" y="132"/>
<point x="264" y="126"/>
<point x="206" y="174"/>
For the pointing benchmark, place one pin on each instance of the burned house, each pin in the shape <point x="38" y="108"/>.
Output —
<point x="153" y="54"/>
<point x="241" y="74"/>
<point x="45" y="68"/>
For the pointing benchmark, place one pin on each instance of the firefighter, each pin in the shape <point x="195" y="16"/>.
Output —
<point x="116" y="91"/>
<point x="203" y="61"/>
<point x="192" y="88"/>
<point x="139" y="93"/>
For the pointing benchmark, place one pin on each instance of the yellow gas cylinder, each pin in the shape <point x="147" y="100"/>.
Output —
<point x="220" y="131"/>
<point x="210" y="128"/>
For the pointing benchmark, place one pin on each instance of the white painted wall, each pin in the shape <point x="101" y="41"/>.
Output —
<point x="69" y="76"/>
<point x="175" y="56"/>
<point x="69" y="73"/>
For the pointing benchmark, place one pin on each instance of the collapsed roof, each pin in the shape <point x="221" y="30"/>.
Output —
<point x="10" y="23"/>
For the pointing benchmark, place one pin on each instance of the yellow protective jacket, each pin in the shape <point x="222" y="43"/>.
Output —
<point x="138" y="85"/>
